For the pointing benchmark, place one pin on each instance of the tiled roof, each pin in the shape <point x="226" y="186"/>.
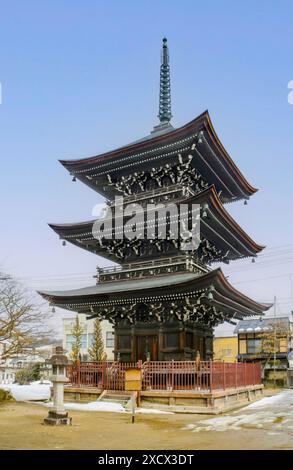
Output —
<point x="259" y="324"/>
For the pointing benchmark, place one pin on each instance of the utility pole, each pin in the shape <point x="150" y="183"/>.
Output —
<point x="275" y="339"/>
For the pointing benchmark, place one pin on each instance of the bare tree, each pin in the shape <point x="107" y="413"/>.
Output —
<point x="22" y="323"/>
<point x="270" y="342"/>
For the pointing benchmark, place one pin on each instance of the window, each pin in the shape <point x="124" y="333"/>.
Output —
<point x="109" y="339"/>
<point x="83" y="342"/>
<point x="90" y="339"/>
<point x="242" y="346"/>
<point x="283" y="345"/>
<point x="189" y="340"/>
<point x="227" y="352"/>
<point x="69" y="342"/>
<point x="254" y="346"/>
<point x="171" y="340"/>
<point x="124" y="342"/>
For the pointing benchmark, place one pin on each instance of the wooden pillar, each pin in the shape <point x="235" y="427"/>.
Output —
<point x="160" y="344"/>
<point x="182" y="343"/>
<point x="133" y="344"/>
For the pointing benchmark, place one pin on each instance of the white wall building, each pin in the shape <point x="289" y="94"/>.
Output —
<point x="87" y="337"/>
<point x="37" y="354"/>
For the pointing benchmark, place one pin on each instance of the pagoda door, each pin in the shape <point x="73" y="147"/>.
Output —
<point x="147" y="348"/>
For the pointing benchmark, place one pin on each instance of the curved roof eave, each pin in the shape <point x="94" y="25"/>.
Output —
<point x="209" y="193"/>
<point x="203" y="121"/>
<point x="199" y="120"/>
<point x="223" y="152"/>
<point x="214" y="198"/>
<point x="215" y="278"/>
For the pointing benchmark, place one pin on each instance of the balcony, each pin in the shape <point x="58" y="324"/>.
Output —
<point x="167" y="193"/>
<point x="151" y="268"/>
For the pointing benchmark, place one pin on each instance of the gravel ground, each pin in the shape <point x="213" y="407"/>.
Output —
<point x="264" y="425"/>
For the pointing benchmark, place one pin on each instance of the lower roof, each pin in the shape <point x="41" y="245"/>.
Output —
<point x="224" y="296"/>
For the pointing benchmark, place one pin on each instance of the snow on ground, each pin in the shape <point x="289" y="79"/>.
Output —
<point x="91" y="406"/>
<point x="103" y="406"/>
<point x="280" y="399"/>
<point x="41" y="391"/>
<point x="153" y="410"/>
<point x="34" y="391"/>
<point x="228" y="423"/>
<point x="273" y="414"/>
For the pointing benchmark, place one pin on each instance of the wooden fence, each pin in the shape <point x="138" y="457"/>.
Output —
<point x="106" y="375"/>
<point x="166" y="375"/>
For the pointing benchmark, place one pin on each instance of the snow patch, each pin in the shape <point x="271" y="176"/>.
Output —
<point x="153" y="410"/>
<point x="273" y="414"/>
<point x="103" y="406"/>
<point x="34" y="391"/>
<point x="276" y="400"/>
<point x="228" y="423"/>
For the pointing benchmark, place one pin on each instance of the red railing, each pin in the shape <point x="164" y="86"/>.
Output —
<point x="106" y="375"/>
<point x="176" y="375"/>
<point x="166" y="375"/>
<point x="234" y="374"/>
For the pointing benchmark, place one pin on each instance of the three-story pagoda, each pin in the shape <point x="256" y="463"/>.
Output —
<point x="162" y="300"/>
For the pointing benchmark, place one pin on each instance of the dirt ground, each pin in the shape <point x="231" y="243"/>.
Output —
<point x="21" y="427"/>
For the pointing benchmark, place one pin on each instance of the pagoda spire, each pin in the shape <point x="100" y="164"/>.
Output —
<point x="165" y="88"/>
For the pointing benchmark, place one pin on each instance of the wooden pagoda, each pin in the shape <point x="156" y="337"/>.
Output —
<point x="163" y="301"/>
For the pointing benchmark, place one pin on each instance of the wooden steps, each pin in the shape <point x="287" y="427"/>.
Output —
<point x="114" y="396"/>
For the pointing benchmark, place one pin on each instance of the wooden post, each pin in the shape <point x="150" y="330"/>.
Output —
<point x="78" y="373"/>
<point x="103" y="375"/>
<point x="211" y="376"/>
<point x="224" y="376"/>
<point x="236" y="374"/>
<point x="133" y="409"/>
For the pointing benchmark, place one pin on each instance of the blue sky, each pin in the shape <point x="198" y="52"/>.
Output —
<point x="79" y="78"/>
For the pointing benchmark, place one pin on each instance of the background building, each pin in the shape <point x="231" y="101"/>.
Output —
<point x="226" y="348"/>
<point x="87" y="336"/>
<point x="268" y="340"/>
<point x="38" y="354"/>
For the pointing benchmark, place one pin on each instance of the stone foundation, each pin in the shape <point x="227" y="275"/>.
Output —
<point x="204" y="402"/>
<point x="57" y="419"/>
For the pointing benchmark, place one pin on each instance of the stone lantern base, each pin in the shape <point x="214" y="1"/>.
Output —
<point x="57" y="419"/>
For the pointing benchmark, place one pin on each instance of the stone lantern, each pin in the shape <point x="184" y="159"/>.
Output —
<point x="58" y="415"/>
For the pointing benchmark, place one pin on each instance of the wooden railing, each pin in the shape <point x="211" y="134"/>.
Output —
<point x="106" y="375"/>
<point x="166" y="375"/>
<point x="176" y="375"/>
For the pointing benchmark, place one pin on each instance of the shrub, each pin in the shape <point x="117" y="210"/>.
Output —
<point x="28" y="374"/>
<point x="5" y="395"/>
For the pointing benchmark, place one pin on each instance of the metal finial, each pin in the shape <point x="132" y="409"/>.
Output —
<point x="165" y="88"/>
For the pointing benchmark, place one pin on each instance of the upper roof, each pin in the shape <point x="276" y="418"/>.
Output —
<point x="197" y="137"/>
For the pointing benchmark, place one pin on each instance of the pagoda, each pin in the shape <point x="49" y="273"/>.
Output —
<point x="163" y="300"/>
